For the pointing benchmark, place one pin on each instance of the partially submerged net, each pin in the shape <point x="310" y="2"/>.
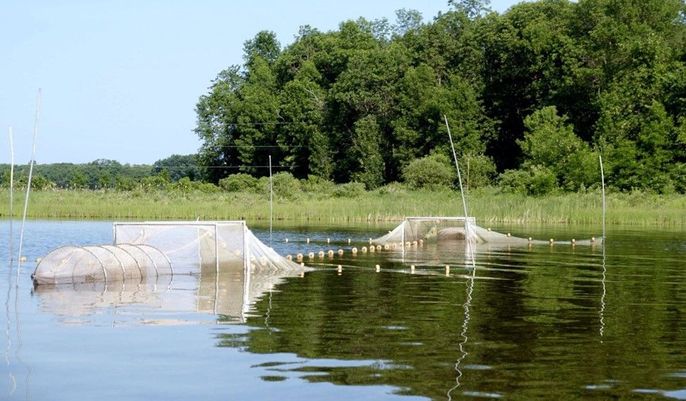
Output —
<point x="425" y="229"/>
<point x="415" y="230"/>
<point x="144" y="249"/>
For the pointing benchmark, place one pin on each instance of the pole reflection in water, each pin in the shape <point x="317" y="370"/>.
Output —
<point x="601" y="330"/>
<point x="470" y="253"/>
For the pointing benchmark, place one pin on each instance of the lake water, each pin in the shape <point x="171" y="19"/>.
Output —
<point x="540" y="322"/>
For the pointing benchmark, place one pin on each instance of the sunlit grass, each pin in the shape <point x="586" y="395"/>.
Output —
<point x="486" y="205"/>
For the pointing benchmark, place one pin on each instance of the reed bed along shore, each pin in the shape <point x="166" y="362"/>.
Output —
<point x="488" y="206"/>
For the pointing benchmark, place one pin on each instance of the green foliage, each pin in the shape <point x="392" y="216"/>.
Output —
<point x="367" y="151"/>
<point x="477" y="170"/>
<point x="556" y="77"/>
<point x="535" y="180"/>
<point x="349" y="190"/>
<point x="433" y="171"/>
<point x="284" y="185"/>
<point x="316" y="184"/>
<point x="550" y="142"/>
<point x="239" y="182"/>
<point x="179" y="166"/>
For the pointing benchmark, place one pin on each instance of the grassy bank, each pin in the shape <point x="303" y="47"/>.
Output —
<point x="486" y="205"/>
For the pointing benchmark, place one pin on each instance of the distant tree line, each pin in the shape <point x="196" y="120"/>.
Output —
<point x="105" y="174"/>
<point x="532" y="96"/>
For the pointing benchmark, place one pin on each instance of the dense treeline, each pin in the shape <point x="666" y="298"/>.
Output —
<point x="105" y="174"/>
<point x="532" y="95"/>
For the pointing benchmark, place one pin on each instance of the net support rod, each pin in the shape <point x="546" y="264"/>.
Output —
<point x="403" y="238"/>
<point x="246" y="278"/>
<point x="271" y="200"/>
<point x="11" y="239"/>
<point x="602" y="186"/>
<point x="216" y="249"/>
<point x="28" y="183"/>
<point x="457" y="166"/>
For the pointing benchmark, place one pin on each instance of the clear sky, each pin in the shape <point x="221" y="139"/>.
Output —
<point x="120" y="78"/>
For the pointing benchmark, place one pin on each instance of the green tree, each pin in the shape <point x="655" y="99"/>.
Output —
<point x="179" y="166"/>
<point x="432" y="172"/>
<point x="264" y="45"/>
<point x="216" y="124"/>
<point x="302" y="107"/>
<point x="367" y="151"/>
<point x="550" y="142"/>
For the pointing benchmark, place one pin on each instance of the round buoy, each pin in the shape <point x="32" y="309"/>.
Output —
<point x="310" y="255"/>
<point x="340" y="252"/>
<point x="299" y="257"/>
<point x="289" y="257"/>
<point x="321" y="254"/>
<point x="364" y="249"/>
<point x="330" y="254"/>
<point x="378" y="247"/>
<point x="354" y="251"/>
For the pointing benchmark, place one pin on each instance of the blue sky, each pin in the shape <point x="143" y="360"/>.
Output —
<point x="120" y="78"/>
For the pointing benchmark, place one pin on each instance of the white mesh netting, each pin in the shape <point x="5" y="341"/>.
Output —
<point x="429" y="229"/>
<point x="87" y="264"/>
<point x="143" y="249"/>
<point x="441" y="229"/>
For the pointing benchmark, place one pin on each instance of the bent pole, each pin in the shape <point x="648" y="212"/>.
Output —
<point x="457" y="166"/>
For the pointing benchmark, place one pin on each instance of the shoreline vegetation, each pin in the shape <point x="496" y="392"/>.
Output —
<point x="388" y="204"/>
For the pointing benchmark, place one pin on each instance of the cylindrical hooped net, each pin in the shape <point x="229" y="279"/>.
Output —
<point x="148" y="249"/>
<point x="88" y="264"/>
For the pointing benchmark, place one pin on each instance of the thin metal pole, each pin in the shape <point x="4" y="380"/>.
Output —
<point x="602" y="181"/>
<point x="11" y="244"/>
<point x="28" y="183"/>
<point x="457" y="166"/>
<point x="271" y="200"/>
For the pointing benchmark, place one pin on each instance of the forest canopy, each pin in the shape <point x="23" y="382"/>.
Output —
<point x="532" y="96"/>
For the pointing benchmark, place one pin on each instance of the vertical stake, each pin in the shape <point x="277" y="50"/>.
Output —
<point x="271" y="200"/>
<point x="28" y="183"/>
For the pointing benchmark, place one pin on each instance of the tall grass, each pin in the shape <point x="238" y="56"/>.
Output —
<point x="487" y="205"/>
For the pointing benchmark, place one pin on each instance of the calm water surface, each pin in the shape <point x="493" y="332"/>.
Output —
<point x="527" y="323"/>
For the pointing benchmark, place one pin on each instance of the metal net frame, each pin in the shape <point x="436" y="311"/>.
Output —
<point x="106" y="263"/>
